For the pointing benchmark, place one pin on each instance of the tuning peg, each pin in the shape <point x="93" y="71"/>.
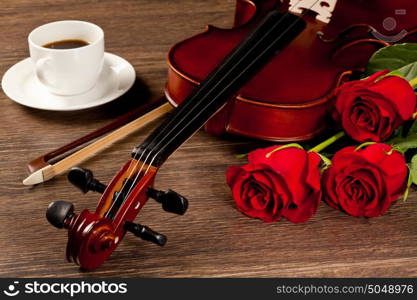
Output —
<point x="145" y="233"/>
<point x="59" y="212"/>
<point x="170" y="200"/>
<point x="85" y="181"/>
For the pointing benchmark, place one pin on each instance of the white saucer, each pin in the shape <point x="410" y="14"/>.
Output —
<point x="22" y="86"/>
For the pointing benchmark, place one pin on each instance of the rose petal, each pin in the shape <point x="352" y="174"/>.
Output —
<point x="399" y="92"/>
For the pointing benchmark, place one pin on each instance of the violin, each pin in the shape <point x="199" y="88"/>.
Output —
<point x="289" y="99"/>
<point x="269" y="77"/>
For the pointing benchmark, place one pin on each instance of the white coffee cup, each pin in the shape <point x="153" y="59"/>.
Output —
<point x="67" y="71"/>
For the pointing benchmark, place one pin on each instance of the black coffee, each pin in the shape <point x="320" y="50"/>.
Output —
<point x="66" y="44"/>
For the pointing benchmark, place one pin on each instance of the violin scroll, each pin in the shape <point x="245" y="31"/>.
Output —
<point x="93" y="236"/>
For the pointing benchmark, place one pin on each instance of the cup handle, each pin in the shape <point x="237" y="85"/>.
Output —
<point x="40" y="71"/>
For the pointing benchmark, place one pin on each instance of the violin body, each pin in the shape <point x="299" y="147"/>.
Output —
<point x="289" y="99"/>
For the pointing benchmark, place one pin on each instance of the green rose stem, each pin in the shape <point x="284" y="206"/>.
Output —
<point x="413" y="82"/>
<point x="317" y="149"/>
<point x="320" y="147"/>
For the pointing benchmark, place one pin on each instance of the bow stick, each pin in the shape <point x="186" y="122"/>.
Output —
<point x="41" y="171"/>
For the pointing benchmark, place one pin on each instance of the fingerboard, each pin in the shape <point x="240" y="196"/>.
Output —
<point x="274" y="32"/>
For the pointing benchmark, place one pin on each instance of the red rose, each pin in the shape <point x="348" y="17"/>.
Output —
<point x="284" y="182"/>
<point x="371" y="109"/>
<point x="365" y="182"/>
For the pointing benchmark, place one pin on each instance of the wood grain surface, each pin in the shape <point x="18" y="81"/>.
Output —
<point x="212" y="239"/>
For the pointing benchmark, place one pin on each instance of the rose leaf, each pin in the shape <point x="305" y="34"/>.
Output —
<point x="326" y="162"/>
<point x="404" y="144"/>
<point x="413" y="169"/>
<point x="400" y="134"/>
<point x="399" y="58"/>
<point x="413" y="129"/>
<point x="410" y="181"/>
<point x="408" y="72"/>
<point x="241" y="156"/>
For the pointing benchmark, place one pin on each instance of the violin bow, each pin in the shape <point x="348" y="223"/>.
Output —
<point x="41" y="170"/>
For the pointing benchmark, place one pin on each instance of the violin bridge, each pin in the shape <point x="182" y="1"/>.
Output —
<point x="323" y="8"/>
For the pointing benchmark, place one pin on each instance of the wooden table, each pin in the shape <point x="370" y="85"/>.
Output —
<point x="212" y="239"/>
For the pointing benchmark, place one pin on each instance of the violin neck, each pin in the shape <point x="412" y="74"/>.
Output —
<point x="271" y="35"/>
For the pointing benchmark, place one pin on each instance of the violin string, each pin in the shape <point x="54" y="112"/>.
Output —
<point x="189" y="112"/>
<point x="199" y="102"/>
<point x="211" y="101"/>
<point x="203" y="98"/>
<point x="157" y="136"/>
<point x="206" y="95"/>
<point x="214" y="99"/>
<point x="200" y="91"/>
<point x="199" y="113"/>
